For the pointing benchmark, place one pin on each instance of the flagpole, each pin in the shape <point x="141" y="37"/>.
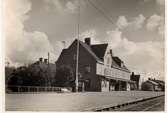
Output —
<point x="76" y="80"/>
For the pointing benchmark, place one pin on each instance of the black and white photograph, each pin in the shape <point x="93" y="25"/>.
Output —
<point x="84" y="55"/>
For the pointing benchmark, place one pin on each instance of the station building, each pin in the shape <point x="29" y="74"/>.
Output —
<point x="98" y="69"/>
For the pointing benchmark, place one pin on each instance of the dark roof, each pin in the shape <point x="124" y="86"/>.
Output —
<point x="117" y="63"/>
<point x="99" y="50"/>
<point x="159" y="82"/>
<point x="89" y="50"/>
<point x="64" y="52"/>
<point x="152" y="82"/>
<point x="114" y="64"/>
<point x="117" y="60"/>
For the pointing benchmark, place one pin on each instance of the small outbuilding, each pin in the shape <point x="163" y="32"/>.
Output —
<point x="152" y="85"/>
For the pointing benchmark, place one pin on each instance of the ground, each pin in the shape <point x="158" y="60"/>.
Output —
<point x="156" y="104"/>
<point x="71" y="101"/>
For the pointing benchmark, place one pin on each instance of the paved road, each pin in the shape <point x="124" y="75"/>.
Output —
<point x="71" y="101"/>
<point x="156" y="104"/>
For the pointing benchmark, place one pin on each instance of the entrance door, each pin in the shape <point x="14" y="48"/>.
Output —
<point x="104" y="85"/>
<point x="81" y="87"/>
<point x="87" y="85"/>
<point x="117" y="86"/>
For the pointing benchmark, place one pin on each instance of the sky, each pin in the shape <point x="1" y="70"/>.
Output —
<point x="135" y="31"/>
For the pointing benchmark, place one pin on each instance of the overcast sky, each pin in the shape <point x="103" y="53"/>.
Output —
<point x="35" y="27"/>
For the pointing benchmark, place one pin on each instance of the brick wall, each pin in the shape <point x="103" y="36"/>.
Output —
<point x="86" y="66"/>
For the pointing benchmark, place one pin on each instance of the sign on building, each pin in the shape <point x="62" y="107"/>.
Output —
<point x="112" y="72"/>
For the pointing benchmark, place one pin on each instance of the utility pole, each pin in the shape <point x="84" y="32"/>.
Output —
<point x="48" y="57"/>
<point x="76" y="79"/>
<point x="48" y="70"/>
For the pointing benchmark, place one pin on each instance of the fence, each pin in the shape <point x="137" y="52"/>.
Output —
<point x="37" y="89"/>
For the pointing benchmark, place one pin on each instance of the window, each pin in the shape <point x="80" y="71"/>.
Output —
<point x="87" y="68"/>
<point x="88" y="83"/>
<point x="74" y="57"/>
<point x="108" y="59"/>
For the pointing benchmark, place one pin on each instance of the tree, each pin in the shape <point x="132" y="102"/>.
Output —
<point x="8" y="73"/>
<point x="64" y="77"/>
<point x="26" y="76"/>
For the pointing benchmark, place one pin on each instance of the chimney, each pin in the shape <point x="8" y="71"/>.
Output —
<point x="132" y="73"/>
<point x="88" y="41"/>
<point x="45" y="61"/>
<point x="40" y="59"/>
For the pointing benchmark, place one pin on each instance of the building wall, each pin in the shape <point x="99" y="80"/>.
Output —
<point x="86" y="66"/>
<point x="128" y="87"/>
<point x="112" y="72"/>
<point x="90" y="70"/>
<point x="135" y="78"/>
<point x="147" y="86"/>
<point x="105" y="85"/>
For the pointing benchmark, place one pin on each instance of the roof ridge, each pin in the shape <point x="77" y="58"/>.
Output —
<point x="88" y="48"/>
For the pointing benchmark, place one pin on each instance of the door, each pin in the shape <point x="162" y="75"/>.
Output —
<point x="104" y="85"/>
<point x="87" y="85"/>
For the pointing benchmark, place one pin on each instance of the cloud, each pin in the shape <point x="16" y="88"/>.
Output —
<point x="136" y="23"/>
<point x="62" y="8"/>
<point x="142" y="57"/>
<point x="72" y="6"/>
<point x="58" y="6"/>
<point x="90" y="33"/>
<point x="160" y="2"/>
<point x="156" y="22"/>
<point x="153" y="22"/>
<point x="122" y="22"/>
<point x="22" y="46"/>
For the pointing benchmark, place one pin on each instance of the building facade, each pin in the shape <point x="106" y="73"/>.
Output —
<point x="98" y="69"/>
<point x="153" y="85"/>
<point x="136" y="79"/>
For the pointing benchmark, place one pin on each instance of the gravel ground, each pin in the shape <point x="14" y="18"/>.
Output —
<point x="71" y="101"/>
<point x="156" y="104"/>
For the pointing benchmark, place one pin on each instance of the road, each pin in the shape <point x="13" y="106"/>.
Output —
<point x="71" y="101"/>
<point x="156" y="104"/>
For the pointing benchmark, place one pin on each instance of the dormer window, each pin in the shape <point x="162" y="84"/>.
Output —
<point x="108" y="59"/>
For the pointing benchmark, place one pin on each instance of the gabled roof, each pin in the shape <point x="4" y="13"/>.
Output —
<point x="89" y="50"/>
<point x="99" y="50"/>
<point x="152" y="82"/>
<point x="117" y="63"/>
<point x="159" y="82"/>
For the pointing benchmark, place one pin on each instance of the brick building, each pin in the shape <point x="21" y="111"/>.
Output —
<point x="136" y="78"/>
<point x="48" y="69"/>
<point x="98" y="69"/>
